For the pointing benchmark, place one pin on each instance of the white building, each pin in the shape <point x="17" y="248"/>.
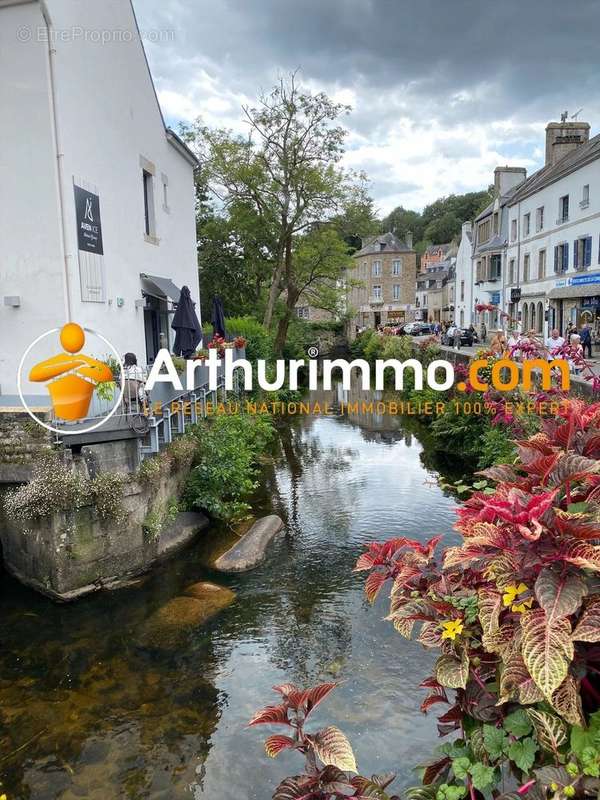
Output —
<point x="97" y="220"/>
<point x="554" y="242"/>
<point x="464" y="308"/>
<point x="490" y="240"/>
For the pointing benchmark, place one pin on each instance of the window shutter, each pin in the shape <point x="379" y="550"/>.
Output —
<point x="556" y="259"/>
<point x="587" y="257"/>
<point x="565" y="264"/>
<point x="575" y="254"/>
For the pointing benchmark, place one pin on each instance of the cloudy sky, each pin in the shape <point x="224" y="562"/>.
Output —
<point x="442" y="91"/>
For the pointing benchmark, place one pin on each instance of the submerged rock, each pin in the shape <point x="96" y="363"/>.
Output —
<point x="251" y="549"/>
<point x="167" y="626"/>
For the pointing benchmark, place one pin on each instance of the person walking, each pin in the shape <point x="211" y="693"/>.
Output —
<point x="483" y="332"/>
<point x="586" y="340"/>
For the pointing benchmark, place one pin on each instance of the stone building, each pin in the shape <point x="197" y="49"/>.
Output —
<point x="434" y="254"/>
<point x="381" y="283"/>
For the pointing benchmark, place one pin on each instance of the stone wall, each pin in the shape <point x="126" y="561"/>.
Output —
<point x="21" y="440"/>
<point x="74" y="553"/>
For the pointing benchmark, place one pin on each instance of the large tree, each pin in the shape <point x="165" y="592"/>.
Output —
<point x="287" y="171"/>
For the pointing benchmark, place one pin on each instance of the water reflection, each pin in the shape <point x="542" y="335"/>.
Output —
<point x="96" y="715"/>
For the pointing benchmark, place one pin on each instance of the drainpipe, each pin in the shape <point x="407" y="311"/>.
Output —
<point x="519" y="259"/>
<point x="66" y="256"/>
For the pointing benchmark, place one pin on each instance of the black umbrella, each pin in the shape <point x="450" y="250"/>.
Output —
<point x="188" y="333"/>
<point x="218" y="317"/>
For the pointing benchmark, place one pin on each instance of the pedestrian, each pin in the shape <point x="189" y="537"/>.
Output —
<point x="133" y="388"/>
<point x="576" y="351"/>
<point x="457" y="337"/>
<point x="554" y="342"/>
<point x="498" y="344"/>
<point x="483" y="332"/>
<point x="586" y="340"/>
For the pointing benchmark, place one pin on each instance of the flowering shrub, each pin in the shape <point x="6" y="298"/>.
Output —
<point x="514" y="612"/>
<point x="239" y="342"/>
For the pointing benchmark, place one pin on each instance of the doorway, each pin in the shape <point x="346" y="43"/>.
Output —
<point x="377" y="318"/>
<point x="156" y="326"/>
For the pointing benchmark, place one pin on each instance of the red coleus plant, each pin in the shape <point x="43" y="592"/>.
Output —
<point x="239" y="342"/>
<point x="329" y="761"/>
<point x="515" y="609"/>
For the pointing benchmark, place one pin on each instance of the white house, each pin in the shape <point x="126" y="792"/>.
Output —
<point x="97" y="220"/>
<point x="554" y="242"/>
<point x="490" y="239"/>
<point x="464" y="311"/>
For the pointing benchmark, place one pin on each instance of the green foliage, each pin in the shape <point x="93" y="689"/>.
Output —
<point x="156" y="519"/>
<point x="224" y="474"/>
<point x="106" y="491"/>
<point x="495" y="447"/>
<point x="259" y="340"/>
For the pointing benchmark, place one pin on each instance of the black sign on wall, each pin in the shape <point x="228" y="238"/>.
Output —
<point x="515" y="295"/>
<point x="89" y="227"/>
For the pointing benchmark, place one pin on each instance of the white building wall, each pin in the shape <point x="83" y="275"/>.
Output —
<point x="464" y="276"/>
<point x="582" y="222"/>
<point x="31" y="264"/>
<point x="110" y="124"/>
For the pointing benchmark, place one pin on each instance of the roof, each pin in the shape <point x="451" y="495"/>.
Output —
<point x="574" y="291"/>
<point x="434" y="248"/>
<point x="577" y="158"/>
<point x="392" y="244"/>
<point x="495" y="243"/>
<point x="502" y="201"/>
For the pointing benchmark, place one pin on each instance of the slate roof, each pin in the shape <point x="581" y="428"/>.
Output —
<point x="392" y="245"/>
<point x="577" y="158"/>
<point x="433" y="248"/>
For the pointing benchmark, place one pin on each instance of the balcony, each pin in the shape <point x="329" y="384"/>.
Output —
<point x="376" y="301"/>
<point x="584" y="203"/>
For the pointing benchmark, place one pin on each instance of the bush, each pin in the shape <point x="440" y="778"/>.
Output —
<point x="53" y="487"/>
<point x="259" y="341"/>
<point x="223" y="477"/>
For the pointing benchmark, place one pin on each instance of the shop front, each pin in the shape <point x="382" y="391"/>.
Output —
<point x="576" y="300"/>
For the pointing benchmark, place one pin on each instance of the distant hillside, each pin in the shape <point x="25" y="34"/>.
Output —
<point x="440" y="221"/>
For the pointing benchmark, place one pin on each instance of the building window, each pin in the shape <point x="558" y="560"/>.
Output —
<point x="526" y="260"/>
<point x="526" y="224"/>
<point x="582" y="252"/>
<point x="377" y="292"/>
<point x="513" y="230"/>
<point x="302" y="312"/>
<point x="585" y="196"/>
<point x="541" y="264"/>
<point x="495" y="267"/>
<point x="149" y="218"/>
<point x="396" y="291"/>
<point x="376" y="268"/>
<point x="511" y="271"/>
<point x="396" y="267"/>
<point x="495" y="223"/>
<point x="462" y="290"/>
<point x="563" y="210"/>
<point x="561" y="257"/>
<point x="539" y="219"/>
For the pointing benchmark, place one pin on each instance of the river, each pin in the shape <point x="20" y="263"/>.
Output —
<point x="86" y="713"/>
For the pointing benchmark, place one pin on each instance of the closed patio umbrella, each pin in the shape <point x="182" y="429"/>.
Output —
<point x="188" y="333"/>
<point x="218" y="317"/>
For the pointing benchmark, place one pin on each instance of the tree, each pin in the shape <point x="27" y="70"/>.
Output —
<point x="286" y="170"/>
<point x="402" y="221"/>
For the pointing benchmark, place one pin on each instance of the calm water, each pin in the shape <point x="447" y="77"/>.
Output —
<point x="87" y="713"/>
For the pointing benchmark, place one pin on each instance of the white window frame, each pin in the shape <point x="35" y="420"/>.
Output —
<point x="376" y="269"/>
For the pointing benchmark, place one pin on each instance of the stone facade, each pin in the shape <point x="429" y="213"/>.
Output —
<point x="70" y="554"/>
<point x="382" y="282"/>
<point x="21" y="440"/>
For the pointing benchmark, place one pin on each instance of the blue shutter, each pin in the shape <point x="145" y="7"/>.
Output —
<point x="556" y="258"/>
<point x="565" y="264"/>
<point x="587" y="254"/>
<point x="575" y="255"/>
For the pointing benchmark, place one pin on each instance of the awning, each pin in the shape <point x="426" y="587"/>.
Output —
<point x="160" y="287"/>
<point x="589" y="290"/>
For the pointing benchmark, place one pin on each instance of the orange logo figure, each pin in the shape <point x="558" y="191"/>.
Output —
<point x="76" y="375"/>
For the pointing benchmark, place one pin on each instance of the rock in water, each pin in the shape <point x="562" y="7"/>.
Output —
<point x="252" y="547"/>
<point x="173" y="621"/>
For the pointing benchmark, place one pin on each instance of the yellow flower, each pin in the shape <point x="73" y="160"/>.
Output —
<point x="513" y="592"/>
<point x="452" y="629"/>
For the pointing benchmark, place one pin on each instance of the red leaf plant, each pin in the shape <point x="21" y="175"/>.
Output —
<point x="514" y="612"/>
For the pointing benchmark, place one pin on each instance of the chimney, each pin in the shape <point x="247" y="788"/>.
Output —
<point x="563" y="137"/>
<point x="506" y="178"/>
<point x="409" y="240"/>
<point x="467" y="227"/>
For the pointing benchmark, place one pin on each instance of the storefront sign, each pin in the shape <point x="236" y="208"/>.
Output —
<point x="590" y="302"/>
<point x="515" y="295"/>
<point x="580" y="280"/>
<point x="89" y="227"/>
<point x="494" y="298"/>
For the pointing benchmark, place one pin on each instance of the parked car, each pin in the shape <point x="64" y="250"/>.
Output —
<point x="421" y="329"/>
<point x="467" y="338"/>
